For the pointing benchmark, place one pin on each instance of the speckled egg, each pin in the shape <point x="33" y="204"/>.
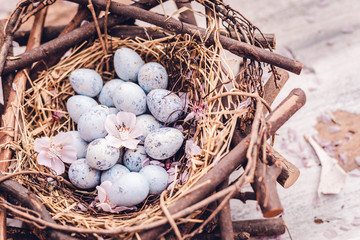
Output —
<point x="152" y="76"/>
<point x="79" y="104"/>
<point x="86" y="82"/>
<point x="105" y="96"/>
<point x="134" y="157"/>
<point x="82" y="175"/>
<point x="79" y="144"/>
<point x="164" y="105"/>
<point x="147" y="124"/>
<point x="127" y="64"/>
<point x="129" y="97"/>
<point x="91" y="124"/>
<point x="131" y="189"/>
<point x="157" y="178"/>
<point x="114" y="173"/>
<point x="101" y="155"/>
<point x="163" y="143"/>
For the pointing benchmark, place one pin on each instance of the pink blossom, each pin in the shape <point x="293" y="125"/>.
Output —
<point x="122" y="130"/>
<point x="102" y="201"/>
<point x="197" y="112"/>
<point x="54" y="151"/>
<point x="148" y="161"/>
<point x="192" y="149"/>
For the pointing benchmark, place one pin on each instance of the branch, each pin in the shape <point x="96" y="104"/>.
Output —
<point x="28" y="199"/>
<point x="186" y="16"/>
<point x="67" y="40"/>
<point x="173" y="25"/>
<point x="236" y="157"/>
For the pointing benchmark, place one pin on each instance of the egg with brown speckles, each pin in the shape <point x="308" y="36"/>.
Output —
<point x="86" y="82"/>
<point x="164" y="105"/>
<point x="129" y="97"/>
<point x="127" y="64"/>
<point x="101" y="155"/>
<point x="82" y="175"/>
<point x="152" y="76"/>
<point x="163" y="143"/>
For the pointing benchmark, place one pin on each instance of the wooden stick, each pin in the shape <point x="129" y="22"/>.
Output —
<point x="236" y="157"/>
<point x="289" y="172"/>
<point x="67" y="40"/>
<point x="244" y="196"/>
<point x="264" y="186"/>
<point x="273" y="87"/>
<point x="49" y="33"/>
<point x="14" y="101"/>
<point x="187" y="16"/>
<point x="28" y="199"/>
<point x="225" y="226"/>
<point x="171" y="24"/>
<point x="82" y="14"/>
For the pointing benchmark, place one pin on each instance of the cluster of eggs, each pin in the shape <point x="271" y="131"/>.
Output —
<point x="140" y="89"/>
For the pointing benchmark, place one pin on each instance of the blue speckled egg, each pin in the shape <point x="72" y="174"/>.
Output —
<point x="131" y="189"/>
<point x="134" y="157"/>
<point x="79" y="104"/>
<point x="152" y="76"/>
<point x="163" y="143"/>
<point x="105" y="96"/>
<point x="164" y="105"/>
<point x="157" y="178"/>
<point x="147" y="124"/>
<point x="91" y="124"/>
<point x="127" y="64"/>
<point x="101" y="155"/>
<point x="129" y="97"/>
<point x="86" y="82"/>
<point x="82" y="175"/>
<point x="114" y="173"/>
<point x="79" y="144"/>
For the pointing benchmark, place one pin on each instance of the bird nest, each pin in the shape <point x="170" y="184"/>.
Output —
<point x="217" y="99"/>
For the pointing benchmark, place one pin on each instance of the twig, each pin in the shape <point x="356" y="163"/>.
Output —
<point x="169" y="217"/>
<point x="225" y="225"/>
<point x="171" y="24"/>
<point x="186" y="16"/>
<point x="15" y="99"/>
<point x="288" y="107"/>
<point x="244" y="196"/>
<point x="261" y="227"/>
<point x="66" y="41"/>
<point x="27" y="198"/>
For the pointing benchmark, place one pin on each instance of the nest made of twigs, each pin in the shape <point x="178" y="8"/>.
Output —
<point x="193" y="68"/>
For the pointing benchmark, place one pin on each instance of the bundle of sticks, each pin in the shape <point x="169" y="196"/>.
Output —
<point x="45" y="47"/>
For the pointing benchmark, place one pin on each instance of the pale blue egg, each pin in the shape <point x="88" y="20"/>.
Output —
<point x="105" y="96"/>
<point x="79" y="104"/>
<point x="163" y="143"/>
<point x="147" y="124"/>
<point x="86" y="82"/>
<point x="157" y="178"/>
<point x="129" y="97"/>
<point x="91" y="124"/>
<point x="79" y="144"/>
<point x="130" y="189"/>
<point x="127" y="64"/>
<point x="164" y="105"/>
<point x="133" y="158"/>
<point x="114" y="173"/>
<point x="101" y="155"/>
<point x="152" y="76"/>
<point x="82" y="175"/>
<point x="113" y="110"/>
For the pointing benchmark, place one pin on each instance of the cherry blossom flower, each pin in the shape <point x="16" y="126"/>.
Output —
<point x="102" y="201"/>
<point x="173" y="172"/>
<point x="54" y="151"/>
<point x="148" y="161"/>
<point x="197" y="112"/>
<point x="122" y="130"/>
<point x="191" y="149"/>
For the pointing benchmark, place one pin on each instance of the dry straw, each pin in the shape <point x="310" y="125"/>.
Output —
<point x="193" y="68"/>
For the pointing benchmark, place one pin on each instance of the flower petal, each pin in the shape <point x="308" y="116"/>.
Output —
<point x="126" y="118"/>
<point x="105" y="207"/>
<point x="106" y="185"/>
<point x="62" y="138"/>
<point x="43" y="159"/>
<point x="58" y="166"/>
<point x="136" y="132"/>
<point x="101" y="194"/>
<point x="113" y="141"/>
<point x="42" y="144"/>
<point x="110" y="125"/>
<point x="130" y="143"/>
<point x="68" y="154"/>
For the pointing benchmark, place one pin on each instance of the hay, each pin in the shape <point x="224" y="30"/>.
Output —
<point x="193" y="68"/>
